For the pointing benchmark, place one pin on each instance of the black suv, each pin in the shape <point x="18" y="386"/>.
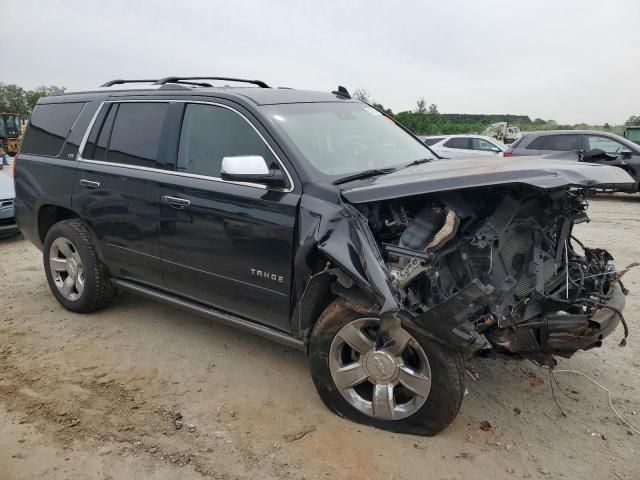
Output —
<point x="315" y="220"/>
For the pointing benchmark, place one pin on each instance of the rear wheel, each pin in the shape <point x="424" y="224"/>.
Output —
<point x="411" y="386"/>
<point x="77" y="278"/>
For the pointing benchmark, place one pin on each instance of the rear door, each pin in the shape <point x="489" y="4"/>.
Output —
<point x="116" y="187"/>
<point x="225" y="244"/>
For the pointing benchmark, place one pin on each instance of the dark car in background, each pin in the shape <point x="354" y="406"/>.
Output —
<point x="583" y="145"/>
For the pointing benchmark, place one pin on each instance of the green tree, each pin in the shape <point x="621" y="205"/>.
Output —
<point x="13" y="99"/>
<point x="421" y="105"/>
<point x="32" y="96"/>
<point x="633" y="121"/>
<point x="433" y="109"/>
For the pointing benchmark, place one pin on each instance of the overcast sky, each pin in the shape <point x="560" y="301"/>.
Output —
<point x="571" y="61"/>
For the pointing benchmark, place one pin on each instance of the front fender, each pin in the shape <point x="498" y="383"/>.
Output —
<point x="341" y="234"/>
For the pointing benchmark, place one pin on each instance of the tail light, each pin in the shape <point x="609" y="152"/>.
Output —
<point x="507" y="154"/>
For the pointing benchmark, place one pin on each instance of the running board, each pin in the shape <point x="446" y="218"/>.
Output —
<point x="219" y="315"/>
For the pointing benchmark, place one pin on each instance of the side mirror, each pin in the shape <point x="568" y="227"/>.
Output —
<point x="495" y="149"/>
<point x="594" y="154"/>
<point x="250" y="169"/>
<point x="626" y="154"/>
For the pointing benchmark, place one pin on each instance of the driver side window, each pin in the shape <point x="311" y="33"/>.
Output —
<point x="603" y="143"/>
<point x="210" y="133"/>
<point x="482" y="145"/>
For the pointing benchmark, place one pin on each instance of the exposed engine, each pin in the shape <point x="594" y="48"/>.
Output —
<point x="498" y="269"/>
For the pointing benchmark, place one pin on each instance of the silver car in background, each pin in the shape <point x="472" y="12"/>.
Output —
<point x="454" y="146"/>
<point x="8" y="224"/>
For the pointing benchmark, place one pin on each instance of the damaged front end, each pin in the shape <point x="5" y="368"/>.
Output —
<point x="490" y="270"/>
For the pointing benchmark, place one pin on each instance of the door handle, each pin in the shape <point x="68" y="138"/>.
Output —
<point x="176" y="202"/>
<point x="89" y="184"/>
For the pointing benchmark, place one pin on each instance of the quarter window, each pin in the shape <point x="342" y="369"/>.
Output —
<point x="48" y="128"/>
<point x="536" y="144"/>
<point x="210" y="133"/>
<point x="461" y="143"/>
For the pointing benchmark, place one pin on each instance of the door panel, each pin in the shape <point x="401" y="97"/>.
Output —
<point x="123" y="212"/>
<point x="231" y="246"/>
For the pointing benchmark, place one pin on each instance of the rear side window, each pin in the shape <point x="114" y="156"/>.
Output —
<point x="459" y="142"/>
<point x="432" y="141"/>
<point x="210" y="133"/>
<point x="129" y="134"/>
<point x="49" y="126"/>
<point x="562" y="143"/>
<point x="136" y="133"/>
<point x="537" y="144"/>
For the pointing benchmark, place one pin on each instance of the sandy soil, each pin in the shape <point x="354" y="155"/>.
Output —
<point x="97" y="396"/>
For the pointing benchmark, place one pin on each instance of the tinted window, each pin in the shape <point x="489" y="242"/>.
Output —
<point x="563" y="143"/>
<point x="603" y="143"/>
<point x="459" y="142"/>
<point x="136" y="133"/>
<point x="482" y="145"/>
<point x="537" y="144"/>
<point x="209" y="134"/>
<point x="49" y="126"/>
<point x="96" y="148"/>
<point x="432" y="141"/>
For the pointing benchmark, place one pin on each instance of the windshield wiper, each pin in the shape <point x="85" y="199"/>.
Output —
<point x="363" y="174"/>
<point x="418" y="162"/>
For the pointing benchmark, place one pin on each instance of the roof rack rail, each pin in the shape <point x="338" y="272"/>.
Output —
<point x="120" y="81"/>
<point x="166" y="80"/>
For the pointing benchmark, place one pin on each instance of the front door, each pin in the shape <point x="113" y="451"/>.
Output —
<point x="226" y="244"/>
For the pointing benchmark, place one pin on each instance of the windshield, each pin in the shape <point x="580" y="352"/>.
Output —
<point x="345" y="138"/>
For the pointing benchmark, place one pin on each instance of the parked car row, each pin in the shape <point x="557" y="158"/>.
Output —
<point x="578" y="145"/>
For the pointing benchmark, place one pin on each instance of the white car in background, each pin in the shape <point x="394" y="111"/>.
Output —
<point x="453" y="146"/>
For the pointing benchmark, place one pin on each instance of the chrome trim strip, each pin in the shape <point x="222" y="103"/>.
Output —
<point x="182" y="174"/>
<point x="222" y="317"/>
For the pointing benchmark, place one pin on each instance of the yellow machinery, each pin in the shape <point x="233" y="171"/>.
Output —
<point x="11" y="130"/>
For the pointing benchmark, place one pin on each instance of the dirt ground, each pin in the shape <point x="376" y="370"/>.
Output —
<point x="101" y="396"/>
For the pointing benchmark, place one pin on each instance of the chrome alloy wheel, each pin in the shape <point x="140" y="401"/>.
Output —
<point x="389" y="384"/>
<point x="66" y="268"/>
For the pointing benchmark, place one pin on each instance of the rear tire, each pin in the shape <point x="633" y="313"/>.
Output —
<point x="443" y="368"/>
<point x="76" y="276"/>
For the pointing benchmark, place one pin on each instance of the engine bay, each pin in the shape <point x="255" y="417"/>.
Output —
<point x="499" y="269"/>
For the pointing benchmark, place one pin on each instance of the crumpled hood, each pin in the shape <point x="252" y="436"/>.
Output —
<point x="442" y="175"/>
<point x="6" y="187"/>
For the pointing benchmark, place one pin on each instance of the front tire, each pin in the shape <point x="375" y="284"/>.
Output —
<point x="413" y="386"/>
<point x="76" y="276"/>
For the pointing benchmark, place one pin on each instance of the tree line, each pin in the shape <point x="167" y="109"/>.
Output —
<point x="15" y="99"/>
<point x="427" y="120"/>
